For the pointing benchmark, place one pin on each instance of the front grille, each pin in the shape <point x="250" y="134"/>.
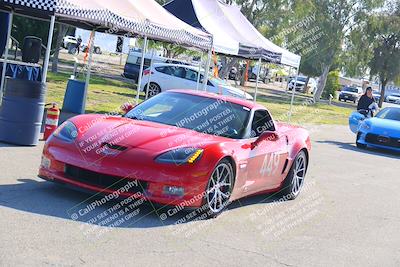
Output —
<point x="104" y="181"/>
<point x="383" y="140"/>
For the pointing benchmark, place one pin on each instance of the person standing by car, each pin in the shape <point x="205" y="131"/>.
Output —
<point x="78" y="44"/>
<point x="366" y="104"/>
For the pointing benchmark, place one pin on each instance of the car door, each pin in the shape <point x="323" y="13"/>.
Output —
<point x="164" y="77"/>
<point x="266" y="161"/>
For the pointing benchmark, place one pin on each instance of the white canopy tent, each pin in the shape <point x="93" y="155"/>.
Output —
<point x="132" y="17"/>
<point x="233" y="34"/>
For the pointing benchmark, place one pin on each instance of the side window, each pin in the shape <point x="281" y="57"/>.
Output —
<point x="165" y="70"/>
<point x="179" y="72"/>
<point x="262" y="122"/>
<point x="147" y="61"/>
<point x="191" y="75"/>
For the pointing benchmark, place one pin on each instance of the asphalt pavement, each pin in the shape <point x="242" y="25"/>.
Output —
<point x="347" y="215"/>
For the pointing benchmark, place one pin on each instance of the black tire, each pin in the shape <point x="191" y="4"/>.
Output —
<point x="97" y="50"/>
<point x="359" y="145"/>
<point x="290" y="189"/>
<point x="154" y="89"/>
<point x="212" y="206"/>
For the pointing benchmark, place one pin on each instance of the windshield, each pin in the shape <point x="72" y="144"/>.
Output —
<point x="300" y="79"/>
<point x="389" y="114"/>
<point x="201" y="114"/>
<point x="351" y="89"/>
<point x="395" y="95"/>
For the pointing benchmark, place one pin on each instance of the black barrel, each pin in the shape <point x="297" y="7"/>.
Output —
<point x="21" y="112"/>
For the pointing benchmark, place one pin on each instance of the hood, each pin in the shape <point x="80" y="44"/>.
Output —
<point x="385" y="127"/>
<point x="95" y="130"/>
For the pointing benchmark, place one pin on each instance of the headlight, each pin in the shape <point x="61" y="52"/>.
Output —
<point x="180" y="156"/>
<point x="66" y="131"/>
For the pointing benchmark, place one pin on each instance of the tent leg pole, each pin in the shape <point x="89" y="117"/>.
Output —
<point x="48" y="49"/>
<point x="3" y="73"/>
<point x="141" y="70"/>
<point x="148" y="80"/>
<point x="293" y="93"/>
<point x="89" y="67"/>
<point x="207" y="70"/>
<point x="257" y="80"/>
<point x="198" y="73"/>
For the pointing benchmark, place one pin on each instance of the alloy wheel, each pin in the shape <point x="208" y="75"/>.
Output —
<point x="219" y="187"/>
<point x="299" y="173"/>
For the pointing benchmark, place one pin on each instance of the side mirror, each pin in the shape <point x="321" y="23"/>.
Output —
<point x="125" y="108"/>
<point x="266" y="136"/>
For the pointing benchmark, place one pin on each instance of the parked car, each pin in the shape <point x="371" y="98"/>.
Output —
<point x="300" y="84"/>
<point x="376" y="95"/>
<point x="381" y="131"/>
<point x="393" y="98"/>
<point x="350" y="93"/>
<point x="132" y="65"/>
<point x="182" y="148"/>
<point x="166" y="76"/>
<point x="252" y="74"/>
<point x="67" y="40"/>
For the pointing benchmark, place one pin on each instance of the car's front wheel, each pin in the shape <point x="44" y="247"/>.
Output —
<point x="294" y="181"/>
<point x="153" y="89"/>
<point x="359" y="145"/>
<point x="219" y="189"/>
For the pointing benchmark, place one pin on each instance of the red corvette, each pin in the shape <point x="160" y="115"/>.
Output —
<point x="181" y="148"/>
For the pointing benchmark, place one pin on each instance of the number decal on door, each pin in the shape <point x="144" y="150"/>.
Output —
<point x="270" y="165"/>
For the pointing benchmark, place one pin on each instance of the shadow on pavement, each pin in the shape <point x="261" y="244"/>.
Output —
<point x="369" y="150"/>
<point x="49" y="199"/>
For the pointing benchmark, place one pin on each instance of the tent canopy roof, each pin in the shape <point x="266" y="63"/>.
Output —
<point x="129" y="17"/>
<point x="233" y="33"/>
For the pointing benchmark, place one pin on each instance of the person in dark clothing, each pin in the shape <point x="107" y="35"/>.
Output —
<point x="78" y="44"/>
<point x="366" y="104"/>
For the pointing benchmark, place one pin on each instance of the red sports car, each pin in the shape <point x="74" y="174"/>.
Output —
<point x="180" y="148"/>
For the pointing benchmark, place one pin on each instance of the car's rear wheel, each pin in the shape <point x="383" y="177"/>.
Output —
<point x="154" y="89"/>
<point x="219" y="189"/>
<point x="294" y="181"/>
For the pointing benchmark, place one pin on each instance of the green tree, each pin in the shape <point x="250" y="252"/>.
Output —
<point x="385" y="63"/>
<point x="332" y="85"/>
<point x="334" y="20"/>
<point x="357" y="53"/>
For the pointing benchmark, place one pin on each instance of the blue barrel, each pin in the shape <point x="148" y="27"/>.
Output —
<point x="21" y="112"/>
<point x="3" y="31"/>
<point x="74" y="96"/>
